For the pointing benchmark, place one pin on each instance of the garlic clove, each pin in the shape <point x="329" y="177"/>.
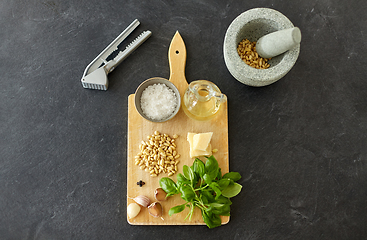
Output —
<point x="160" y="194"/>
<point x="142" y="200"/>
<point x="155" y="209"/>
<point x="133" y="210"/>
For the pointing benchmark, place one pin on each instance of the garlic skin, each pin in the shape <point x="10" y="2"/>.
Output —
<point x="133" y="210"/>
<point x="156" y="210"/>
<point x="142" y="200"/>
<point x="160" y="194"/>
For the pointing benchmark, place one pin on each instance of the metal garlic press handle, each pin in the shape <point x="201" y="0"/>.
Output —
<point x="95" y="74"/>
<point x="111" y="65"/>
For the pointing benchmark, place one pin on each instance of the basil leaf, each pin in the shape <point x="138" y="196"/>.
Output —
<point x="216" y="189"/>
<point x="219" y="209"/>
<point x="168" y="185"/>
<point x="211" y="220"/>
<point x="216" y="221"/>
<point x="199" y="167"/>
<point x="223" y="210"/>
<point x="208" y="195"/>
<point x="235" y="176"/>
<point x="207" y="219"/>
<point x="204" y="199"/>
<point x="182" y="180"/>
<point x="176" y="209"/>
<point x="207" y="178"/>
<point x="187" y="193"/>
<point x="196" y="176"/>
<point x="211" y="167"/>
<point x="219" y="174"/>
<point x="224" y="200"/>
<point x="188" y="173"/>
<point x="185" y="172"/>
<point x="223" y="183"/>
<point x="232" y="190"/>
<point x="216" y="205"/>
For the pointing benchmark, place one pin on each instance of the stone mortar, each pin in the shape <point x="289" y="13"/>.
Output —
<point x="252" y="25"/>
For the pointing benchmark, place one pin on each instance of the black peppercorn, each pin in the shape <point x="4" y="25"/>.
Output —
<point x="140" y="183"/>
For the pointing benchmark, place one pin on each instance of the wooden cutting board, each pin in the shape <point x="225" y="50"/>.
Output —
<point x="139" y="129"/>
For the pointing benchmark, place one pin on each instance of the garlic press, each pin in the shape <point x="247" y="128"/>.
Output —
<point x="95" y="74"/>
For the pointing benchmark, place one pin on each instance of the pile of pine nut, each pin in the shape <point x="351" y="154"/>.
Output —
<point x="248" y="54"/>
<point x="158" y="154"/>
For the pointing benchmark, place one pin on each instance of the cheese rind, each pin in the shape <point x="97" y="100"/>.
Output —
<point x="201" y="141"/>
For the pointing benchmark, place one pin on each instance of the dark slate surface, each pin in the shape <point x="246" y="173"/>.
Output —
<point x="300" y="144"/>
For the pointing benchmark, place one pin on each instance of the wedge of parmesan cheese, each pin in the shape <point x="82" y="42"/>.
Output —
<point x="190" y="137"/>
<point x="201" y="141"/>
<point x="197" y="153"/>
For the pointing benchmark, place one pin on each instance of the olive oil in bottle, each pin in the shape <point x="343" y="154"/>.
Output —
<point x="202" y="100"/>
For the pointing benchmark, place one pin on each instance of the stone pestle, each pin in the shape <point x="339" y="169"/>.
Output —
<point x="278" y="42"/>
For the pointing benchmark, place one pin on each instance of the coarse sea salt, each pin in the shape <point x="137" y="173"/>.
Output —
<point x="158" y="101"/>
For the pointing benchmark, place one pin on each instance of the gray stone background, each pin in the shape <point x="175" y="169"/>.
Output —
<point x="300" y="144"/>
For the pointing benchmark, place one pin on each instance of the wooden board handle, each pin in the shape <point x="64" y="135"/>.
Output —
<point x="177" y="62"/>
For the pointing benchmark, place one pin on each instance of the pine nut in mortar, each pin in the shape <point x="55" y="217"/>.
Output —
<point x="247" y="51"/>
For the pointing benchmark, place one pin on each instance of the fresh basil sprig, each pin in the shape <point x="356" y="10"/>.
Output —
<point x="203" y="186"/>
